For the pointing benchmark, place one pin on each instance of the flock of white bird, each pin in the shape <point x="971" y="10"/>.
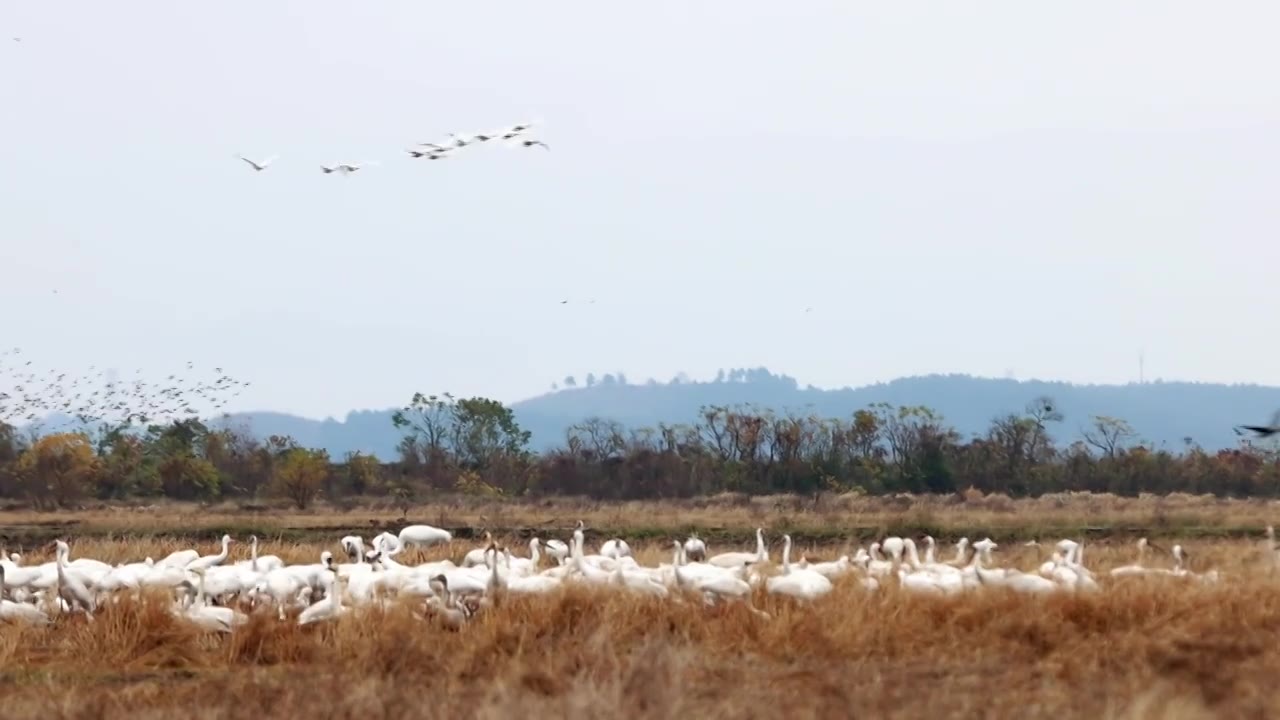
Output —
<point x="215" y="594"/>
<point x="514" y="136"/>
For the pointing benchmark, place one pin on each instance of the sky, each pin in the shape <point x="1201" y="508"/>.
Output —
<point x="998" y="188"/>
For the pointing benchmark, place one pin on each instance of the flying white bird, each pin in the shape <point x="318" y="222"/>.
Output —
<point x="465" y="139"/>
<point x="345" y="168"/>
<point x="259" y="166"/>
<point x="434" y="153"/>
<point x="531" y="143"/>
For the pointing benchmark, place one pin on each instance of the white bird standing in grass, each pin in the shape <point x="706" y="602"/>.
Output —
<point x="22" y="612"/>
<point x="695" y="549"/>
<point x="736" y="559"/>
<point x="557" y="549"/>
<point x="615" y="549"/>
<point x="424" y="536"/>
<point x="209" y="617"/>
<point x="70" y="588"/>
<point x="798" y="583"/>
<point x="328" y="608"/>
<point x="208" y="561"/>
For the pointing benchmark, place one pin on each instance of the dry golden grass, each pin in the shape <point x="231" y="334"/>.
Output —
<point x="1139" y="649"/>
<point x="728" y="517"/>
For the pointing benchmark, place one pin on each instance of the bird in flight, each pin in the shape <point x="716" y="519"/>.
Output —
<point x="259" y="166"/>
<point x="431" y="153"/>
<point x="344" y="168"/>
<point x="531" y="143"/>
<point x="1262" y="431"/>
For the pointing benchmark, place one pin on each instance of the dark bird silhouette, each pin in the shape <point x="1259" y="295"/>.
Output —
<point x="1262" y="431"/>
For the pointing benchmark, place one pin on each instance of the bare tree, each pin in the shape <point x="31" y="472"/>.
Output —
<point x="1109" y="435"/>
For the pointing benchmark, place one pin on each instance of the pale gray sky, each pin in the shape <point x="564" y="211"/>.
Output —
<point x="952" y="187"/>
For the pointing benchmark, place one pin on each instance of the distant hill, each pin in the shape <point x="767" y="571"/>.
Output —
<point x="1161" y="412"/>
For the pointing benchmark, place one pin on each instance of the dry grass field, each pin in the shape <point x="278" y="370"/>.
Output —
<point x="1140" y="648"/>
<point x="730" y="517"/>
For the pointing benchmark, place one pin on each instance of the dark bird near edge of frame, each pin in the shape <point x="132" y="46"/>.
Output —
<point x="1262" y="431"/>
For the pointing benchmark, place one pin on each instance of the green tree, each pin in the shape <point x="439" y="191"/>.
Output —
<point x="364" y="474"/>
<point x="123" y="460"/>
<point x="485" y="429"/>
<point x="918" y="444"/>
<point x="472" y="432"/>
<point x="426" y="420"/>
<point x="186" y="477"/>
<point x="10" y="444"/>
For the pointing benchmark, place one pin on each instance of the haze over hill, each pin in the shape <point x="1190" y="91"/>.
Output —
<point x="950" y="187"/>
<point x="1162" y="413"/>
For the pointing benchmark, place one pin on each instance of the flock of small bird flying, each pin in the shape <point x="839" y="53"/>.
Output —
<point x="29" y="395"/>
<point x="514" y="136"/>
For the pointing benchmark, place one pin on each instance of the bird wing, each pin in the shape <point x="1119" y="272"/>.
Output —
<point x="255" y="165"/>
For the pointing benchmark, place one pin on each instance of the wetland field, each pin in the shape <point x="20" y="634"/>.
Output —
<point x="1200" y="640"/>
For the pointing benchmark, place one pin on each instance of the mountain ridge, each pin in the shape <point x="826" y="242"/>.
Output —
<point x="1165" y="414"/>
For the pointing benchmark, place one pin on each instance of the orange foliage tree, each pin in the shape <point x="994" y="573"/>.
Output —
<point x="59" y="469"/>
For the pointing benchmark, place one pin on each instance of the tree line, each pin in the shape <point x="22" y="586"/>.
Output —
<point x="475" y="446"/>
